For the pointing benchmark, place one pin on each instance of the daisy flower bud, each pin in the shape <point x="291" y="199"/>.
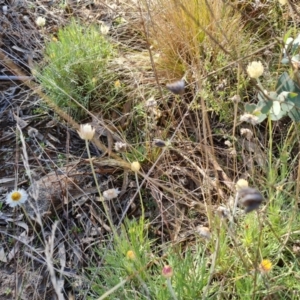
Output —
<point x="167" y="271"/>
<point x="241" y="183"/>
<point x="177" y="87"/>
<point x="159" y="143"/>
<point x="117" y="84"/>
<point x="255" y="69"/>
<point x="16" y="197"/>
<point x="250" y="198"/>
<point x="135" y="166"/>
<point x="203" y="232"/>
<point x="86" y="132"/>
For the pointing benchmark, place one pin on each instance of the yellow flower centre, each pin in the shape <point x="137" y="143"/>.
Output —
<point x="130" y="255"/>
<point x="16" y="196"/>
<point x="266" y="265"/>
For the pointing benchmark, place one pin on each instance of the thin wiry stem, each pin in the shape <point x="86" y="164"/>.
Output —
<point x="98" y="187"/>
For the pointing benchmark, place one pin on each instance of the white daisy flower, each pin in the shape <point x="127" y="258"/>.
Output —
<point x="255" y="69"/>
<point x="16" y="197"/>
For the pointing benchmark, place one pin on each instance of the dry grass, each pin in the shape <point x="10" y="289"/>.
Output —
<point x="180" y="187"/>
<point x="186" y="33"/>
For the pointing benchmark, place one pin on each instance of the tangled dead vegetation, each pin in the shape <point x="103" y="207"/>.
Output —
<point x="187" y="172"/>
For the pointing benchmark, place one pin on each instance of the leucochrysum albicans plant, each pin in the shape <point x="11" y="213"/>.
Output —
<point x="285" y="99"/>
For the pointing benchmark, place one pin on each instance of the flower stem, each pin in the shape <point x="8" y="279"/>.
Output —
<point x="140" y="195"/>
<point x="171" y="290"/>
<point x="98" y="188"/>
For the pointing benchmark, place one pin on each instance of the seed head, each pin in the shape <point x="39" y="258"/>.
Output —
<point x="247" y="133"/>
<point x="111" y="194"/>
<point x="249" y="118"/>
<point x="33" y="132"/>
<point x="120" y="146"/>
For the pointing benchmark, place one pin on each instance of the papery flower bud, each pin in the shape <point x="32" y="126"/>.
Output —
<point x="86" y="132"/>
<point x="203" y="232"/>
<point x="250" y="198"/>
<point x="135" y="166"/>
<point x="167" y="271"/>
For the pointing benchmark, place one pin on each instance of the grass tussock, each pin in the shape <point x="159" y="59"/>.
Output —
<point x="75" y="73"/>
<point x="186" y="33"/>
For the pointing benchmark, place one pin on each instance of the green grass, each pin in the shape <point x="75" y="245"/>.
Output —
<point x="76" y="70"/>
<point x="236" y="267"/>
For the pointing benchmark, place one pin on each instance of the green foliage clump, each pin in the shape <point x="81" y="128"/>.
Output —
<point x="132" y="266"/>
<point x="76" y="68"/>
<point x="244" y="257"/>
<point x="285" y="100"/>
